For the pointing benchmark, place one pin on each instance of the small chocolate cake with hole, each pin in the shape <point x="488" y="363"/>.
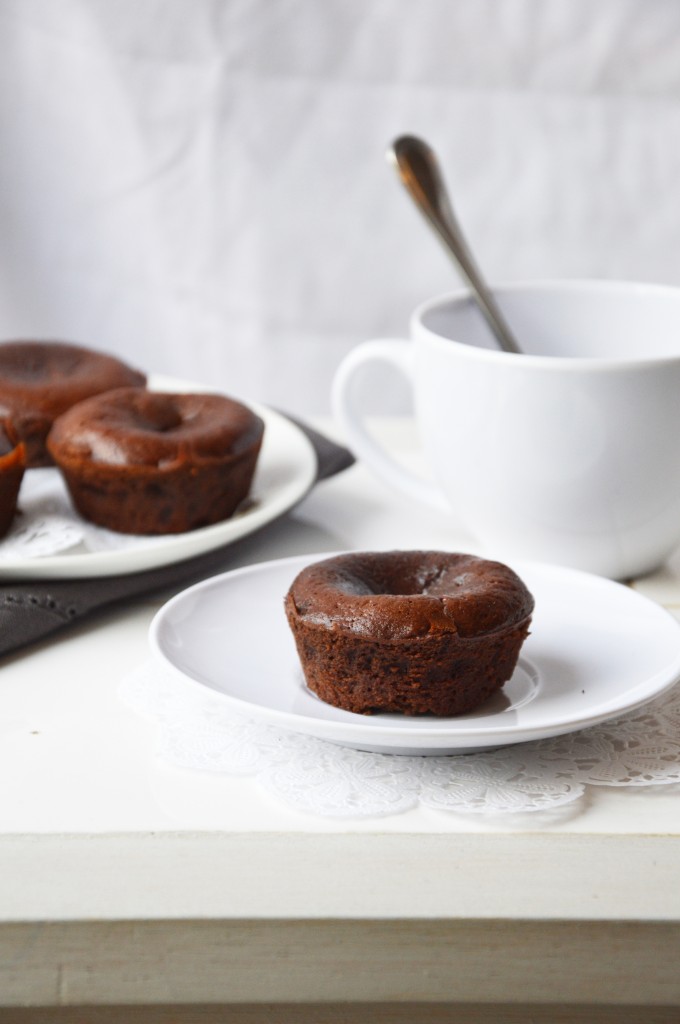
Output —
<point x="40" y="380"/>
<point x="147" y="462"/>
<point x="12" y="466"/>
<point x="414" y="632"/>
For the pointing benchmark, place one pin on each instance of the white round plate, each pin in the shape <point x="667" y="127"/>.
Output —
<point x="285" y="471"/>
<point x="596" y="649"/>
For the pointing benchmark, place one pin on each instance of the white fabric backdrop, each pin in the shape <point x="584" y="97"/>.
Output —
<point x="200" y="186"/>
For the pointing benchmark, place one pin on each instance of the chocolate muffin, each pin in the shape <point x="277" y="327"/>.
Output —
<point x="415" y="632"/>
<point x="12" y="465"/>
<point x="39" y="380"/>
<point x="148" y="462"/>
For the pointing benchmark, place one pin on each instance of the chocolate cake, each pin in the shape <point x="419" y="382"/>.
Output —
<point x="12" y="465"/>
<point x="415" y="632"/>
<point x="39" y="380"/>
<point x="147" y="462"/>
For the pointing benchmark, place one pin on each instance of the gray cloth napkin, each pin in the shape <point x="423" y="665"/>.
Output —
<point x="33" y="610"/>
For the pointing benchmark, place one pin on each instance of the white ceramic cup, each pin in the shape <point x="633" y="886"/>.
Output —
<point x="569" y="453"/>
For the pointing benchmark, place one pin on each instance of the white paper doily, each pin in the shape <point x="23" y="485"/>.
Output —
<point x="46" y="523"/>
<point x="196" y="733"/>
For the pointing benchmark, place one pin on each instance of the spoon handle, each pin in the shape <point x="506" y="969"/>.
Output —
<point x="419" y="171"/>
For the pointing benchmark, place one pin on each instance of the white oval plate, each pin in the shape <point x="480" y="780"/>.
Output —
<point x="596" y="650"/>
<point x="285" y="471"/>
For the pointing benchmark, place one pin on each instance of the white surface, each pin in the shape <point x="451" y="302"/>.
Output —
<point x="98" y="836"/>
<point x="258" y="921"/>
<point x="202" y="187"/>
<point x="566" y="454"/>
<point x="285" y="471"/>
<point x="558" y="686"/>
<point x="87" y="763"/>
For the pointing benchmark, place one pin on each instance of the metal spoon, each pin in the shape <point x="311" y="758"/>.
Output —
<point x="419" y="171"/>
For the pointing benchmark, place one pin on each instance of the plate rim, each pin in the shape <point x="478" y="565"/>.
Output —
<point x="381" y="736"/>
<point x="92" y="564"/>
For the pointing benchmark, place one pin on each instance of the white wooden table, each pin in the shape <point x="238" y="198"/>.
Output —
<point x="130" y="890"/>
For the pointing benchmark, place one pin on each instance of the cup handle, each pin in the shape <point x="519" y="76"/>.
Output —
<point x="344" y="397"/>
